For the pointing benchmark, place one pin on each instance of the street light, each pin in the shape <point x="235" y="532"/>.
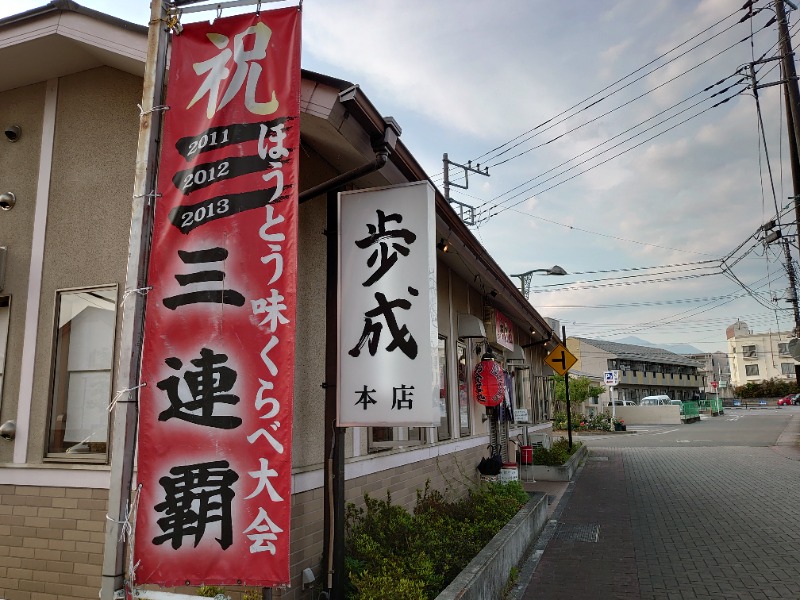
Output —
<point x="525" y="278"/>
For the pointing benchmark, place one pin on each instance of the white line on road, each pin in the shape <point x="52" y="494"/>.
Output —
<point x="663" y="432"/>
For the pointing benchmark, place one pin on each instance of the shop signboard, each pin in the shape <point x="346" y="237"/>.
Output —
<point x="504" y="330"/>
<point x="388" y="324"/>
<point x="214" y="447"/>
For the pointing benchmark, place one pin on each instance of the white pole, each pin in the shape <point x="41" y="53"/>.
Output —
<point x="613" y="404"/>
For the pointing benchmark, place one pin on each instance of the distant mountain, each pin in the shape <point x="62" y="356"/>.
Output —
<point x="676" y="348"/>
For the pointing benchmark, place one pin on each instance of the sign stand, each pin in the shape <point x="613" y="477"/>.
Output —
<point x="561" y="361"/>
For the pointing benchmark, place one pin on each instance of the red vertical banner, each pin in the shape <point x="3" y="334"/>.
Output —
<point x="215" y="424"/>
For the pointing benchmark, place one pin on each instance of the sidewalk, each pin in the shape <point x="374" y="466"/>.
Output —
<point x="788" y="443"/>
<point x="653" y="516"/>
<point x="554" y="490"/>
<point x="602" y="570"/>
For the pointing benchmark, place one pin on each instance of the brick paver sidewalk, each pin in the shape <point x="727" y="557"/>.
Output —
<point x="574" y="569"/>
<point x="675" y="523"/>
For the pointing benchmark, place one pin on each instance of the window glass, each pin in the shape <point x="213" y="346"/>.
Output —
<point x="787" y="368"/>
<point x="84" y="351"/>
<point x="443" y="431"/>
<point x="751" y="369"/>
<point x="387" y="438"/>
<point x="463" y="390"/>
<point x="522" y="390"/>
<point x="5" y="306"/>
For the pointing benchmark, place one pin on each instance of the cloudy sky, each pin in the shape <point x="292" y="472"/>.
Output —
<point x="606" y="152"/>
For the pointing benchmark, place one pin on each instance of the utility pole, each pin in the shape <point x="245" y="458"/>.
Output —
<point x="792" y="99"/>
<point x="465" y="211"/>
<point x="771" y="234"/>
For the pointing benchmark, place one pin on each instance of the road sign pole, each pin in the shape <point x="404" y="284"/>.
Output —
<point x="613" y="405"/>
<point x="566" y="393"/>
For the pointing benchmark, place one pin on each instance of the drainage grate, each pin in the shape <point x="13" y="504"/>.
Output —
<point x="577" y="533"/>
<point x="598" y="458"/>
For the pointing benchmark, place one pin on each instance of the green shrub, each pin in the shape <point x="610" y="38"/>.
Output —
<point x="557" y="455"/>
<point x="393" y="553"/>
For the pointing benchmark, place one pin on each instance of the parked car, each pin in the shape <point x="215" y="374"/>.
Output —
<point x="659" y="400"/>
<point x="622" y="403"/>
<point x="789" y="400"/>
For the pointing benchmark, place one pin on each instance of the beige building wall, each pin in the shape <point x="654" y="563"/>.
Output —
<point x="768" y="355"/>
<point x="19" y="165"/>
<point x="91" y="182"/>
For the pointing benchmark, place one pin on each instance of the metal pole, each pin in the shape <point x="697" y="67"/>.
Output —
<point x="566" y="392"/>
<point x="334" y="485"/>
<point x="446" y="177"/>
<point x="123" y="432"/>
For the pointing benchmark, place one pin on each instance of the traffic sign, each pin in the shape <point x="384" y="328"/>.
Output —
<point x="560" y="359"/>
<point x="714" y="384"/>
<point x="611" y="378"/>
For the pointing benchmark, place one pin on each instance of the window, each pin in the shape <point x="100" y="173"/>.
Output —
<point x="751" y="370"/>
<point x="749" y="351"/>
<point x="386" y="438"/>
<point x="462" y="376"/>
<point x="5" y="307"/>
<point x="81" y="379"/>
<point x="783" y="349"/>
<point x="787" y="368"/>
<point x="522" y="390"/>
<point x="443" y="431"/>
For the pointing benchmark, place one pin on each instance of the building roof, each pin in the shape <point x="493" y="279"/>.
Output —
<point x="642" y="353"/>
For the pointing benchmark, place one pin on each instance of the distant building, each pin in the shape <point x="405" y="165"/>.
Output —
<point x="644" y="370"/>
<point x="757" y="357"/>
<point x="715" y="369"/>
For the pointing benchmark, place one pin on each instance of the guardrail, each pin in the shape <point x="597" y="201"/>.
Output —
<point x="690" y="411"/>
<point x="713" y="405"/>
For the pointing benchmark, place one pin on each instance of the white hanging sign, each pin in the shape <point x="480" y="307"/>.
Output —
<point x="388" y="330"/>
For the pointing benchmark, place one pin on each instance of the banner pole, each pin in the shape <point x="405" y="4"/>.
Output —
<point x="124" y="412"/>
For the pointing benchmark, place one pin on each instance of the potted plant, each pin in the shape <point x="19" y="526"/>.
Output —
<point x="619" y="425"/>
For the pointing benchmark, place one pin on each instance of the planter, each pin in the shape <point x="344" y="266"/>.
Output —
<point x="558" y="473"/>
<point x="486" y="575"/>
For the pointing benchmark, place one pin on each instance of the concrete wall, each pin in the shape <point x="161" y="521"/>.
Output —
<point x="648" y="415"/>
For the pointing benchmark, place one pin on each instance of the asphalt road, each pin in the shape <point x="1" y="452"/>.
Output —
<point x="737" y="427"/>
<point x="703" y="510"/>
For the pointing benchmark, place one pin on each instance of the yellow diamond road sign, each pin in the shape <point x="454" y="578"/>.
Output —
<point x="560" y="359"/>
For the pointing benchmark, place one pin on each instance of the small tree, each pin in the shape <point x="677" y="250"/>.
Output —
<point x="580" y="389"/>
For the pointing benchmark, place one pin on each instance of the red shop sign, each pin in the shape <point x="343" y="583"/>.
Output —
<point x="218" y="359"/>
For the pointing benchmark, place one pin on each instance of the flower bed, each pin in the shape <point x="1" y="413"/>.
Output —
<point x="555" y="464"/>
<point x="392" y="553"/>
<point x="598" y="422"/>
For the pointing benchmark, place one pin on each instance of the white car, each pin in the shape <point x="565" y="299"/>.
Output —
<point x="622" y="403"/>
<point x="660" y="400"/>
